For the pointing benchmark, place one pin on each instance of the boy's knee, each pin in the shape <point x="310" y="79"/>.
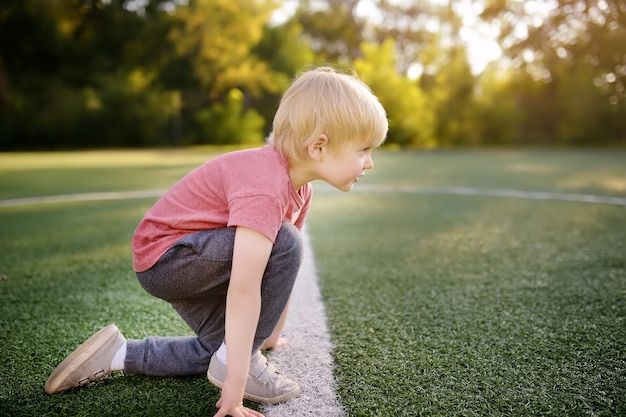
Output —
<point x="289" y="240"/>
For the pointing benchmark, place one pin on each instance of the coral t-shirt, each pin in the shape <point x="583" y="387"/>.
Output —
<point x="250" y="188"/>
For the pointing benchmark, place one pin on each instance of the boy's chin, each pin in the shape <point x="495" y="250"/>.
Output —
<point x="345" y="188"/>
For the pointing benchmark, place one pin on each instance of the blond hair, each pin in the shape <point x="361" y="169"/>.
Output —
<point x="325" y="101"/>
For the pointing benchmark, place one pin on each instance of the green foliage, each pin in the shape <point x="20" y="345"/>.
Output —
<point x="228" y="123"/>
<point x="573" y="63"/>
<point x="451" y="94"/>
<point x="496" y="117"/>
<point x="411" y="119"/>
<point x="216" y="36"/>
<point x="284" y="49"/>
<point x="286" y="52"/>
<point x="574" y="92"/>
<point x="73" y="82"/>
<point x="97" y="73"/>
<point x="335" y="31"/>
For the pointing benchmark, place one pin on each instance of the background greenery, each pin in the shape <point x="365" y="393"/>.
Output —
<point x="138" y="73"/>
<point x="439" y="305"/>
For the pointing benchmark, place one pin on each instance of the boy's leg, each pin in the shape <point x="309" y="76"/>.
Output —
<point x="193" y="276"/>
<point x="172" y="278"/>
<point x="166" y="356"/>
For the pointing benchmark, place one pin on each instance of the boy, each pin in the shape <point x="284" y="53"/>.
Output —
<point x="223" y="247"/>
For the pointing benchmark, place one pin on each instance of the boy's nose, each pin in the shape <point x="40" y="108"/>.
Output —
<point x="369" y="163"/>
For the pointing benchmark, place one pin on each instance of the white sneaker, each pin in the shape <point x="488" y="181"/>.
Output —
<point x="265" y="383"/>
<point x="90" y="362"/>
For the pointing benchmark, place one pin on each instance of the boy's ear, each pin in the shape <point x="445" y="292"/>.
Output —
<point x="318" y="148"/>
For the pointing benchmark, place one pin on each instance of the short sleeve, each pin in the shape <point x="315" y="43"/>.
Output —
<point x="262" y="213"/>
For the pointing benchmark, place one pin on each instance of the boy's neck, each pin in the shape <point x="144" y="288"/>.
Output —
<point x="301" y="173"/>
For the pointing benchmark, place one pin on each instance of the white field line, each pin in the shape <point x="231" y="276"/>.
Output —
<point x="307" y="356"/>
<point x="408" y="189"/>
<point x="116" y="195"/>
<point x="528" y="195"/>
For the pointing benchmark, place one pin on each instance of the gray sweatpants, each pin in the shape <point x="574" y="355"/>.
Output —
<point x="193" y="276"/>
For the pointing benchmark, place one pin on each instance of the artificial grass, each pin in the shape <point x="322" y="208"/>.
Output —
<point x="600" y="172"/>
<point x="438" y="305"/>
<point x="474" y="306"/>
<point x="43" y="174"/>
<point x="68" y="273"/>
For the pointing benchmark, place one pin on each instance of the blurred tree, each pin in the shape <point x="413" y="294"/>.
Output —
<point x="285" y="51"/>
<point x="451" y="94"/>
<point x="73" y="82"/>
<point x="76" y="73"/>
<point x="584" y="111"/>
<point x="216" y="36"/>
<point x="570" y="45"/>
<point x="214" y="42"/>
<point x="428" y="35"/>
<point x="415" y="28"/>
<point x="93" y="73"/>
<point x="334" y="30"/>
<point x="229" y="122"/>
<point x="411" y="118"/>
<point x="496" y="119"/>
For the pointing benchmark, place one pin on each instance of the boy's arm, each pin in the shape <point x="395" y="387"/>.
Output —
<point x="243" y="305"/>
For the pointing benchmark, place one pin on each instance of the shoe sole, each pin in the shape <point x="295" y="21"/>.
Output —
<point x="78" y="357"/>
<point x="274" y="400"/>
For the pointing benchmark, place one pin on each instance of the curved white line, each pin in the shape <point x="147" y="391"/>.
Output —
<point x="307" y="357"/>
<point x="488" y="192"/>
<point x="116" y="195"/>
<point x="529" y="195"/>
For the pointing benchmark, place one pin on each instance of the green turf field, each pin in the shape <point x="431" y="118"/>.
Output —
<point x="438" y="304"/>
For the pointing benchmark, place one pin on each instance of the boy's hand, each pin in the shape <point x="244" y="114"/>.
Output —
<point x="233" y="407"/>
<point x="274" y="344"/>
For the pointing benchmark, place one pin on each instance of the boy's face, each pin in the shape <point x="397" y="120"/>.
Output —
<point x="342" y="168"/>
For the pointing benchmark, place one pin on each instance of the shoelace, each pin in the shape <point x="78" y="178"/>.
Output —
<point x="264" y="372"/>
